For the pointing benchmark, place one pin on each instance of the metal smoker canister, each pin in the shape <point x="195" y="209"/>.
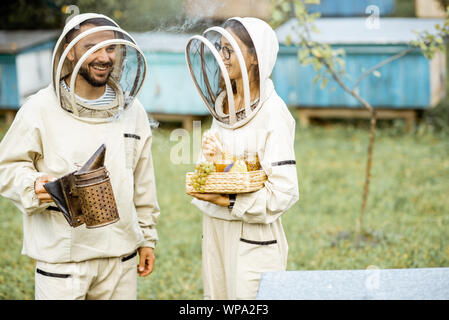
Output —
<point x="97" y="198"/>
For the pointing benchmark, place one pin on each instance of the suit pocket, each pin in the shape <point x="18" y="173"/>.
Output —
<point x="55" y="281"/>
<point x="259" y="256"/>
<point x="53" y="274"/>
<point x="255" y="257"/>
<point x="130" y="148"/>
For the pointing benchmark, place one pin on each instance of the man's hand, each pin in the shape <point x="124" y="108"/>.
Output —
<point x="39" y="189"/>
<point x="215" y="198"/>
<point x="146" y="262"/>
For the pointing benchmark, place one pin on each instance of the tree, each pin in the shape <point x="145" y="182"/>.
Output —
<point x="330" y="63"/>
<point x="444" y="3"/>
<point x="35" y="14"/>
<point x="132" y="15"/>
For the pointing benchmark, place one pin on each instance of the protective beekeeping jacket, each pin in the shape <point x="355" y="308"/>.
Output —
<point x="239" y="240"/>
<point x="55" y="132"/>
<point x="268" y="129"/>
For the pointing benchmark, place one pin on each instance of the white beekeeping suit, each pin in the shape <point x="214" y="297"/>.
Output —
<point x="56" y="131"/>
<point x="242" y="242"/>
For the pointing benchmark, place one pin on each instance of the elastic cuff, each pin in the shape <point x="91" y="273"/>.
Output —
<point x="148" y="243"/>
<point x="241" y="204"/>
<point x="30" y="201"/>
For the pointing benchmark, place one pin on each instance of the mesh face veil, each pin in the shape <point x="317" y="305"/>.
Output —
<point x="100" y="55"/>
<point x="217" y="61"/>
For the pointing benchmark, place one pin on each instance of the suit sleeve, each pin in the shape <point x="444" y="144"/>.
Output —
<point x="145" y="199"/>
<point x="19" y="150"/>
<point x="281" y="189"/>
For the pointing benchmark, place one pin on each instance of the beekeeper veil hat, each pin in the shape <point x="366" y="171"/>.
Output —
<point x="231" y="65"/>
<point x="93" y="48"/>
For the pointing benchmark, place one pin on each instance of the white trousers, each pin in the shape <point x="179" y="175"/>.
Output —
<point x="96" y="279"/>
<point x="234" y="255"/>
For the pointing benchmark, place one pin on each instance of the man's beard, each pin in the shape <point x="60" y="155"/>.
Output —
<point x="84" y="72"/>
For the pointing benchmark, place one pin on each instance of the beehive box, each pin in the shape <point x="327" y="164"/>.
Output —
<point x="351" y="8"/>
<point x="168" y="93"/>
<point x="25" y="63"/>
<point x="411" y="82"/>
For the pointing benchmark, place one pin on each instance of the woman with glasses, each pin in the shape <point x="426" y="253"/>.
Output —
<point x="243" y="234"/>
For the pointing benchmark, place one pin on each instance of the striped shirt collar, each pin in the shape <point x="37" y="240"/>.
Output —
<point x="105" y="99"/>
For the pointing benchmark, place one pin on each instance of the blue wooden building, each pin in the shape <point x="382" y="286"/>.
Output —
<point x="25" y="63"/>
<point x="168" y="93"/>
<point x="352" y="8"/>
<point x="408" y="84"/>
<point x="404" y="86"/>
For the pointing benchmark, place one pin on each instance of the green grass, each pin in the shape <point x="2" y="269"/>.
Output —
<point x="407" y="212"/>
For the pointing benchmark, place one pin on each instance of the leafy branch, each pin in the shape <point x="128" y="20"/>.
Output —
<point x="330" y="63"/>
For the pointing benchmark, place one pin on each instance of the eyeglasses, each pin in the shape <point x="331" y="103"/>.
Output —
<point x="226" y="51"/>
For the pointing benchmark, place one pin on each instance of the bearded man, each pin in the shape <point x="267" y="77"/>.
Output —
<point x="98" y="70"/>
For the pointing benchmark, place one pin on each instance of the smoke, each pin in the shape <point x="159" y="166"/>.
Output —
<point x="154" y="124"/>
<point x="196" y="15"/>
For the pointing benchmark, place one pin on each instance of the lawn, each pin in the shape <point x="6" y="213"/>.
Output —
<point x="407" y="213"/>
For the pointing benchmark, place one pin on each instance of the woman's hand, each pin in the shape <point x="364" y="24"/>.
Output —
<point x="215" y="198"/>
<point x="212" y="147"/>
